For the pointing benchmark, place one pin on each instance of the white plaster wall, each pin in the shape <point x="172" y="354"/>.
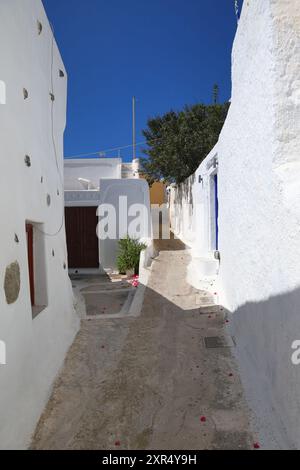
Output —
<point x="189" y="208"/>
<point x="131" y="170"/>
<point x="192" y="221"/>
<point x="35" y="349"/>
<point x="260" y="266"/>
<point x="133" y="192"/>
<point x="92" y="170"/>
<point x="259" y="219"/>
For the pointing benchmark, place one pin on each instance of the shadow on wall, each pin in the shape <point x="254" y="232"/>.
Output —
<point x="264" y="333"/>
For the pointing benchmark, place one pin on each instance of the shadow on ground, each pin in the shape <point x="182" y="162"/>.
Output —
<point x="150" y="382"/>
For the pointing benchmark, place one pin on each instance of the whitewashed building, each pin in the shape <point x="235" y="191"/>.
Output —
<point x="90" y="183"/>
<point x="85" y="173"/>
<point x="37" y="318"/>
<point x="243" y="206"/>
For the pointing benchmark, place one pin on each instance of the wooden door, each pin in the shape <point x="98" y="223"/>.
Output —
<point x="29" y="233"/>
<point x="82" y="240"/>
<point x="216" y="210"/>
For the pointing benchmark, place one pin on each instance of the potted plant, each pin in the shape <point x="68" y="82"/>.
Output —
<point x="128" y="259"/>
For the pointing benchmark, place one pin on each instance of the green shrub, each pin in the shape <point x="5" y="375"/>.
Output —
<point x="129" y="254"/>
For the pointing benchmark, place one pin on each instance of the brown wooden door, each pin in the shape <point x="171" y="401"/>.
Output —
<point x="82" y="240"/>
<point x="29" y="233"/>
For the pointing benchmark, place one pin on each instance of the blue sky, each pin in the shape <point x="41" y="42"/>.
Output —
<point x="167" y="53"/>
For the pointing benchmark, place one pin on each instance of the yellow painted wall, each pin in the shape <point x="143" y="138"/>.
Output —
<point x="157" y="193"/>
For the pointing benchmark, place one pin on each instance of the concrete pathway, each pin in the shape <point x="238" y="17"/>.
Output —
<point x="151" y="382"/>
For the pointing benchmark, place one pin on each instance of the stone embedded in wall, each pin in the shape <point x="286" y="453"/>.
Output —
<point x="25" y="93"/>
<point x="40" y="27"/>
<point x="12" y="282"/>
<point x="27" y="161"/>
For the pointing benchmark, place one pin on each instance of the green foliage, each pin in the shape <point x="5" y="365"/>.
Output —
<point x="179" y="141"/>
<point x="129" y="254"/>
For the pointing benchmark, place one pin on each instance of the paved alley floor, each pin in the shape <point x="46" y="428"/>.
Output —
<point x="153" y="381"/>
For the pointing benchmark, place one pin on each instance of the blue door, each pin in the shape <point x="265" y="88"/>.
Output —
<point x="216" y="211"/>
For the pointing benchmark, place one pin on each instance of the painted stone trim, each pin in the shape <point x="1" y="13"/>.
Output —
<point x="2" y="92"/>
<point x="82" y="196"/>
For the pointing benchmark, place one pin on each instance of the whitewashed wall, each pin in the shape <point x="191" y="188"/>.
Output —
<point x="129" y="200"/>
<point x="91" y="170"/>
<point x="259" y="219"/>
<point x="132" y="169"/>
<point x="35" y="349"/>
<point x="84" y="174"/>
<point x="192" y="220"/>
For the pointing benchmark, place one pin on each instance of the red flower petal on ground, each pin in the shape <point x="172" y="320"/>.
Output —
<point x="135" y="284"/>
<point x="117" y="443"/>
<point x="256" y="445"/>
<point x="203" y="419"/>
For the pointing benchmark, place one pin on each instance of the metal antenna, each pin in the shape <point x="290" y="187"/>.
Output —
<point x="133" y="129"/>
<point x="215" y="94"/>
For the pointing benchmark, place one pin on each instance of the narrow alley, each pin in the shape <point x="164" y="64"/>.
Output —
<point x="154" y="381"/>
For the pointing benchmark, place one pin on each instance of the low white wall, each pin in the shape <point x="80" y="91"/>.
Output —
<point x="35" y="348"/>
<point x="91" y="170"/>
<point x="259" y="213"/>
<point x="134" y="202"/>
